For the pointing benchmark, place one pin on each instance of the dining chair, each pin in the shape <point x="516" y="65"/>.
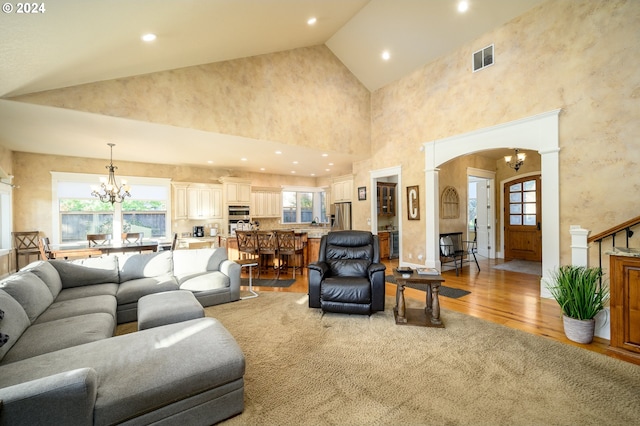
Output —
<point x="98" y="239"/>
<point x="132" y="237"/>
<point x="289" y="246"/>
<point x="45" y="250"/>
<point x="26" y="244"/>
<point x="267" y="250"/>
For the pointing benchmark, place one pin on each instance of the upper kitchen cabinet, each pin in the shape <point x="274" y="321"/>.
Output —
<point x="180" y="206"/>
<point x="197" y="201"/>
<point x="342" y="189"/>
<point x="386" y="193"/>
<point x="236" y="191"/>
<point x="266" y="202"/>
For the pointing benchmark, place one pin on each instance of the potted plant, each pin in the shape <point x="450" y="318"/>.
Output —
<point x="581" y="295"/>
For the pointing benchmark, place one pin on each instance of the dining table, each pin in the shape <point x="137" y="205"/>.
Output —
<point x="82" y="249"/>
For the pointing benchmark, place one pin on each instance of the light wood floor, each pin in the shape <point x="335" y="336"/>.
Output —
<point x="508" y="298"/>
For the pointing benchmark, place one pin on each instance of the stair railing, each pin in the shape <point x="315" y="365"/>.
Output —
<point x="612" y="232"/>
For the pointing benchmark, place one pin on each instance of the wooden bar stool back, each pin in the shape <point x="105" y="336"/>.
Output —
<point x="247" y="244"/>
<point x="267" y="249"/>
<point x="289" y="246"/>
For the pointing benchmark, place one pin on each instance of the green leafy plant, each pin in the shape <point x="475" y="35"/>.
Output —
<point x="579" y="291"/>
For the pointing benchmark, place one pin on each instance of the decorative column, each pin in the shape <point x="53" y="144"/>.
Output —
<point x="579" y="246"/>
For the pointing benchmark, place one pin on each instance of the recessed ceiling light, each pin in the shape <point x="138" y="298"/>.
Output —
<point x="325" y="155"/>
<point x="386" y="55"/>
<point x="278" y="152"/>
<point x="262" y="169"/>
<point x="293" y="172"/>
<point x="149" y="37"/>
<point x="210" y="161"/>
<point x="312" y="20"/>
<point x="327" y="170"/>
<point x="243" y="159"/>
<point x="331" y="164"/>
<point x="313" y="174"/>
<point x="295" y="162"/>
<point x="463" y="6"/>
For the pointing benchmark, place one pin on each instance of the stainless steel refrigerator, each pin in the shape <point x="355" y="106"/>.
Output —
<point x="341" y="216"/>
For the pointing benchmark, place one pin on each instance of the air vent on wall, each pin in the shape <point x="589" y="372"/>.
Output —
<point x="482" y="58"/>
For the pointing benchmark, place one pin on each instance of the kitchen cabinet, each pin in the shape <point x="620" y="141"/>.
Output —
<point x="342" y="191"/>
<point x="204" y="202"/>
<point x="313" y="250"/>
<point x="625" y="305"/>
<point x="231" y="244"/>
<point x="265" y="204"/>
<point x="197" y="201"/>
<point x="180" y="207"/>
<point x="237" y="191"/>
<point x="385" y="251"/>
<point x="386" y="193"/>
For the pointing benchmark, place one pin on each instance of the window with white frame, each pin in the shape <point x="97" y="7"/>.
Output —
<point x="76" y="213"/>
<point x="303" y="205"/>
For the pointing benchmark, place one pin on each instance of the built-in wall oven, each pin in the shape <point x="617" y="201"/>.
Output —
<point x="238" y="216"/>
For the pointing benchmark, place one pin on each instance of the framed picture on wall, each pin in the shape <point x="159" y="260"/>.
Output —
<point x="413" y="202"/>
<point x="362" y="193"/>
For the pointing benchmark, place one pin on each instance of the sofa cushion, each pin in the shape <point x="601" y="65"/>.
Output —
<point x="47" y="273"/>
<point x="82" y="306"/>
<point x="94" y="270"/>
<point x="15" y="321"/>
<point x="145" y="370"/>
<point x="132" y="290"/>
<point x="205" y="281"/>
<point x="108" y="289"/>
<point x="60" y="334"/>
<point x="30" y="291"/>
<point x="187" y="262"/>
<point x="144" y="265"/>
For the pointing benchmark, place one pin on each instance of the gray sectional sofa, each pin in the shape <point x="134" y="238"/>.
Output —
<point x="60" y="364"/>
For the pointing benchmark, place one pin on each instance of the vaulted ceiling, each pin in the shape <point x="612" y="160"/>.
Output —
<point x="72" y="42"/>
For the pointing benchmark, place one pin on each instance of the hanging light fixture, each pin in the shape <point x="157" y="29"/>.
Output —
<point x="111" y="192"/>
<point x="519" y="160"/>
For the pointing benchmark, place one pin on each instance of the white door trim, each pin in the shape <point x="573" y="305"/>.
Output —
<point x="538" y="132"/>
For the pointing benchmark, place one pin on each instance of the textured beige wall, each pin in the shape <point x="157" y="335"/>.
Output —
<point x="32" y="201"/>
<point x="301" y="97"/>
<point x="579" y="55"/>
<point x="6" y="160"/>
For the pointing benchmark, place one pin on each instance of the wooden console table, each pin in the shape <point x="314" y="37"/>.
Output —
<point x="429" y="316"/>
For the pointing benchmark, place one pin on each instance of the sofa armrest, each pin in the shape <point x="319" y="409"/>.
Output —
<point x="232" y="270"/>
<point x="62" y="399"/>
<point x="317" y="272"/>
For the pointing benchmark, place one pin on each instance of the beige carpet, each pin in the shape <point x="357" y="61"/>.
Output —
<point x="522" y="266"/>
<point x="305" y="368"/>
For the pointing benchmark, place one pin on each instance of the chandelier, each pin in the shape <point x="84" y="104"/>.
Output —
<point x="111" y="192"/>
<point x="519" y="160"/>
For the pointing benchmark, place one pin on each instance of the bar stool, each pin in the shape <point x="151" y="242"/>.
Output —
<point x="267" y="248"/>
<point x="288" y="245"/>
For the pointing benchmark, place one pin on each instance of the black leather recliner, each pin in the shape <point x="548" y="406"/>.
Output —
<point x="348" y="276"/>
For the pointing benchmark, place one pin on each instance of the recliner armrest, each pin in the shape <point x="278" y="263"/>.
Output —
<point x="376" y="267"/>
<point x="321" y="267"/>
<point x="63" y="399"/>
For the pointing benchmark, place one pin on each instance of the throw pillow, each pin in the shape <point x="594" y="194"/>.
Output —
<point x="3" y="339"/>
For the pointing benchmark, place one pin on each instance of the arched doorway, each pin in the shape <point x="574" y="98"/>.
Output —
<point x="540" y="133"/>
